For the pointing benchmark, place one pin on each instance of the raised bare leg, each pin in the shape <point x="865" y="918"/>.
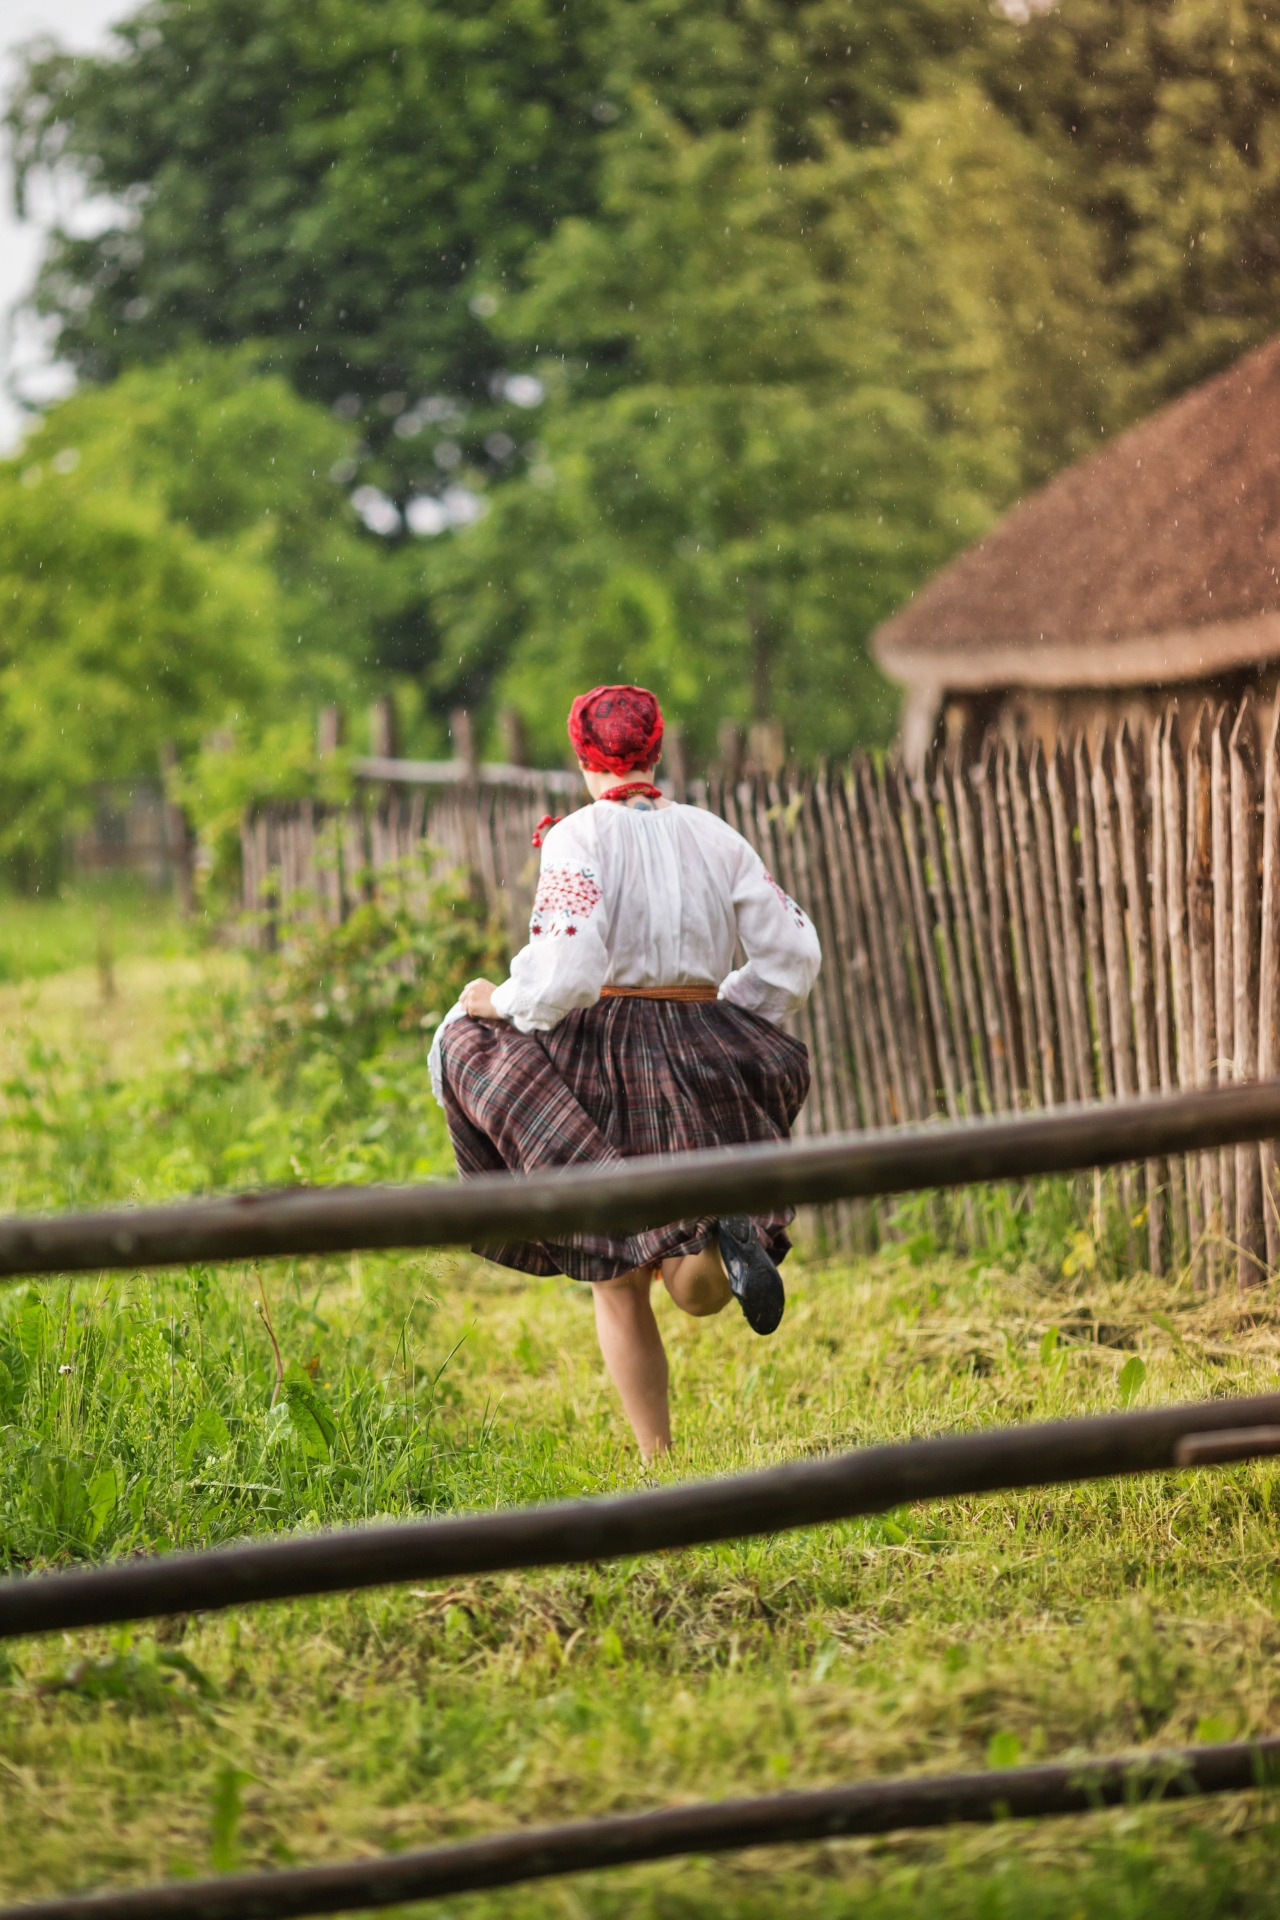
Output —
<point x="635" y="1356"/>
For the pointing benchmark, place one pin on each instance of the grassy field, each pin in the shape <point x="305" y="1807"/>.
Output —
<point x="92" y="922"/>
<point x="137" y="1413"/>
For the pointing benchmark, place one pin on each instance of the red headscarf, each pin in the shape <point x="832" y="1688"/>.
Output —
<point x="616" y="729"/>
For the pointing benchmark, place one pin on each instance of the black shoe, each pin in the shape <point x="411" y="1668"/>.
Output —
<point x="754" y="1281"/>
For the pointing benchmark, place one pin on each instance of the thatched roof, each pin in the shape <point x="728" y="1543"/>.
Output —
<point x="1154" y="561"/>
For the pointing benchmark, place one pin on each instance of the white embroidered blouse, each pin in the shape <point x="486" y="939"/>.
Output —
<point x="656" y="897"/>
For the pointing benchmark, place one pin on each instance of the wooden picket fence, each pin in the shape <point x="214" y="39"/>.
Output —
<point x="300" y="858"/>
<point x="1020" y="931"/>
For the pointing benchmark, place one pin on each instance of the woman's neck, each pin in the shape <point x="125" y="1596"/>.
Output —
<point x="600" y="784"/>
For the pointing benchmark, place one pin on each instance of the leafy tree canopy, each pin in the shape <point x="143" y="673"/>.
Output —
<point x="795" y="296"/>
<point x="1166" y="115"/>
<point x="834" y="372"/>
<point x="326" y="176"/>
<point x="121" y="631"/>
<point x="173" y="556"/>
<point x="230" y="452"/>
<point x="360" y="184"/>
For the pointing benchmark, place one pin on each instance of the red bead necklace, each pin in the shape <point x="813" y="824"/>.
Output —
<point x="633" y="790"/>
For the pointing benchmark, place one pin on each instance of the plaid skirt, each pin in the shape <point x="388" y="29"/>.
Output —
<point x="613" y="1082"/>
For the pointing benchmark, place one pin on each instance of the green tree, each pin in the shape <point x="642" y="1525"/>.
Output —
<point x="121" y="630"/>
<point x="176" y="555"/>
<point x="962" y="241"/>
<point x="1166" y="116"/>
<point x="361" y="185"/>
<point x="805" y="68"/>
<point x="783" y="395"/>
<point x="325" y="175"/>
<point x="228" y="451"/>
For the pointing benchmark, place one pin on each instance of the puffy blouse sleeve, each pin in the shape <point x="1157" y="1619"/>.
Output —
<point x="779" y="940"/>
<point x="565" y="962"/>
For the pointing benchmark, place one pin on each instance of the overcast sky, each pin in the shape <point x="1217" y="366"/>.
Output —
<point x="80" y="25"/>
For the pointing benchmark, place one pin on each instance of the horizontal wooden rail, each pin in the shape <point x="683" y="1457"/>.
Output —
<point x="457" y="773"/>
<point x="806" y="1493"/>
<point x="584" y="1846"/>
<point x="643" y="1193"/>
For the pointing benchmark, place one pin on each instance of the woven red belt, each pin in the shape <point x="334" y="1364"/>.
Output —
<point x="659" y="993"/>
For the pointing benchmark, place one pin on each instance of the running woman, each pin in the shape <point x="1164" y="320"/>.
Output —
<point x="625" y="1029"/>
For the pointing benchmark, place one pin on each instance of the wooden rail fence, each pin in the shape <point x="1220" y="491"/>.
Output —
<point x="1034" y="927"/>
<point x="780" y="1498"/>
<point x="802" y="1493"/>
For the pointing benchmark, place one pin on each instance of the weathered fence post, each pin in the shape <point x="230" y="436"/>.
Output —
<point x="1035" y="903"/>
<point x="1115" y="953"/>
<point x="1245" y="931"/>
<point x="1093" y="919"/>
<point x="1053" y="844"/>
<point x="975" y="897"/>
<point x="887" y="926"/>
<point x="927" y="945"/>
<point x="997" y="926"/>
<point x="1135" y="868"/>
<point x="1269" y="972"/>
<point x="1224" y="986"/>
<point x="894" y="1038"/>
<point x="875" y="1098"/>
<point x="1176" y="821"/>
<point x="328" y="731"/>
<point x="383" y="744"/>
<point x="511" y="737"/>
<point x="1162" y="970"/>
<point x="675" y="761"/>
<point x="952" y="877"/>
<point x="1200" y="920"/>
<point x="1032" y="1045"/>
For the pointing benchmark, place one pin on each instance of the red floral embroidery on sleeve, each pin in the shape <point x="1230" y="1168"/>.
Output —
<point x="566" y="899"/>
<point x="797" y="913"/>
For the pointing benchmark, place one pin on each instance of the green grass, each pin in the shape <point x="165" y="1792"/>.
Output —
<point x="115" y="916"/>
<point x="137" y="1414"/>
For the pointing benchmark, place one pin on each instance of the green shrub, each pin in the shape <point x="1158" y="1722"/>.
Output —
<point x="389" y="973"/>
<point x="312" y="1070"/>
